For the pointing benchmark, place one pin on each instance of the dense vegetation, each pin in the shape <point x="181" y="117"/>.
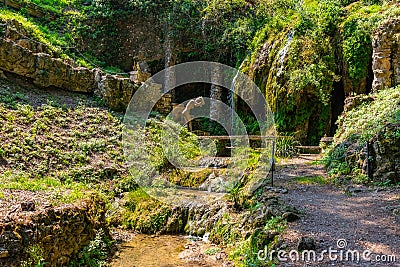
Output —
<point x="316" y="49"/>
<point x="356" y="127"/>
<point x="68" y="148"/>
<point x="298" y="52"/>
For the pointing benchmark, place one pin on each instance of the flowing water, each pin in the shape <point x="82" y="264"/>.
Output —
<point x="231" y="98"/>
<point x="283" y="52"/>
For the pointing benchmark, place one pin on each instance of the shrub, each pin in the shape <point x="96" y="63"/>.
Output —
<point x="95" y="254"/>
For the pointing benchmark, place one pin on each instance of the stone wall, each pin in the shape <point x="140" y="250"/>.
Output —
<point x="44" y="70"/>
<point x="115" y="90"/>
<point x="164" y="105"/>
<point x="61" y="232"/>
<point x="386" y="55"/>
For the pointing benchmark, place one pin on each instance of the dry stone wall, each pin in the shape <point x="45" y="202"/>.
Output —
<point x="60" y="232"/>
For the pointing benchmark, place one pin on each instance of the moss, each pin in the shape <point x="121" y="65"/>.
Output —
<point x="143" y="213"/>
<point x="189" y="179"/>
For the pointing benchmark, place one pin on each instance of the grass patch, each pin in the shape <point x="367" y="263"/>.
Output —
<point x="246" y="251"/>
<point x="37" y="32"/>
<point x="95" y="253"/>
<point x="65" y="192"/>
<point x="310" y="180"/>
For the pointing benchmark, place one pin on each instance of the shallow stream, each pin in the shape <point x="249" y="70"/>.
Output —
<point x="166" y="251"/>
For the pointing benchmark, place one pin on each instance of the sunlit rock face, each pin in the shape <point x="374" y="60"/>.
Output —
<point x="386" y="55"/>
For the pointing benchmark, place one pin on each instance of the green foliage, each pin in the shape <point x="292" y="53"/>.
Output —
<point x="216" y="29"/>
<point x="38" y="33"/>
<point x="357" y="50"/>
<point x="357" y="40"/>
<point x="211" y="251"/>
<point x="96" y="253"/>
<point x="285" y="146"/>
<point x="35" y="254"/>
<point x="366" y="120"/>
<point x="12" y="99"/>
<point x="246" y="251"/>
<point x="311" y="180"/>
<point x="53" y="5"/>
<point x="185" y="149"/>
<point x="295" y="56"/>
<point x="301" y="53"/>
<point x="40" y="131"/>
<point x="387" y="183"/>
<point x="357" y="126"/>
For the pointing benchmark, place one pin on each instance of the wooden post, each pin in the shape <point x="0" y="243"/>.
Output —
<point x="368" y="163"/>
<point x="272" y="163"/>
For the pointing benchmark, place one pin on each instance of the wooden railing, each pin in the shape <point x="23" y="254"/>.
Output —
<point x="227" y="137"/>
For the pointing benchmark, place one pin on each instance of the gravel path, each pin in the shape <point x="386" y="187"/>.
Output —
<point x="362" y="218"/>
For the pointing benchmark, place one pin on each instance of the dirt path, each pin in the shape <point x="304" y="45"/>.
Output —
<point x="366" y="218"/>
